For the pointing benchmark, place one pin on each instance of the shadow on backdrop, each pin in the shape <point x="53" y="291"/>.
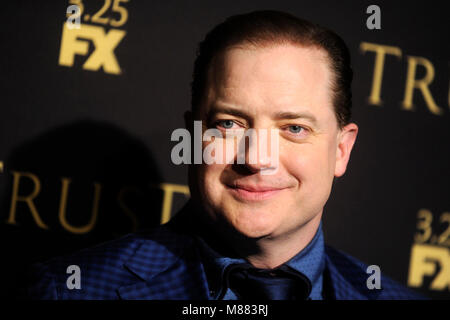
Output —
<point x="73" y="187"/>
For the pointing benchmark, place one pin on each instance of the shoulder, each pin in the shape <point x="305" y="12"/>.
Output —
<point x="103" y="268"/>
<point x="349" y="276"/>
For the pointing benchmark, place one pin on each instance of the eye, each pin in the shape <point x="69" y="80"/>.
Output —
<point x="226" y="124"/>
<point x="295" y="129"/>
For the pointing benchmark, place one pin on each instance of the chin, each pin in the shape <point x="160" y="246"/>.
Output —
<point x="253" y="224"/>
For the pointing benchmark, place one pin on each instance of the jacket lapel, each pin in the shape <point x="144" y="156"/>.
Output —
<point x="165" y="267"/>
<point x="341" y="287"/>
<point x="348" y="278"/>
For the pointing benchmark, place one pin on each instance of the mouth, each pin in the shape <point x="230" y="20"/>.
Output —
<point x="253" y="192"/>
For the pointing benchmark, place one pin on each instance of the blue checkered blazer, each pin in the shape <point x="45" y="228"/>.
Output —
<point x="164" y="264"/>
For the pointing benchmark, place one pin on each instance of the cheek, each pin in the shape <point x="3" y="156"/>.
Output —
<point x="310" y="164"/>
<point x="210" y="180"/>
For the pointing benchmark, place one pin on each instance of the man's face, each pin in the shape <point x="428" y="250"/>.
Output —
<point x="283" y="87"/>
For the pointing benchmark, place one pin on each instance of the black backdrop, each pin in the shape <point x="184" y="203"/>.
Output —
<point x="85" y="144"/>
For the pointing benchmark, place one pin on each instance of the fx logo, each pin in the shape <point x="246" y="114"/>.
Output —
<point x="432" y="262"/>
<point x="74" y="280"/>
<point x="73" y="43"/>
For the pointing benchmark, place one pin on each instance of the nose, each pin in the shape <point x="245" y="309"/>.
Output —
<point x="261" y="151"/>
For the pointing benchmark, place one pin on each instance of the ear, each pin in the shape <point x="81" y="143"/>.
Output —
<point x="346" y="140"/>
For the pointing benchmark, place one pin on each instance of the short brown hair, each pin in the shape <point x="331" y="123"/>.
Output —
<point x="262" y="27"/>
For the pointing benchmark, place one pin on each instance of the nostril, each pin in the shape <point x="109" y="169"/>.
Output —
<point x="244" y="169"/>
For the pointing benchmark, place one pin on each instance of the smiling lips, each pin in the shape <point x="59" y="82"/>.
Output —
<point x="254" y="192"/>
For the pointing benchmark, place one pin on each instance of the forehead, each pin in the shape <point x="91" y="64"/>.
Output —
<point x="257" y="78"/>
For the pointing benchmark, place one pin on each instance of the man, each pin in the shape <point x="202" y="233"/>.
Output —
<point x="252" y="230"/>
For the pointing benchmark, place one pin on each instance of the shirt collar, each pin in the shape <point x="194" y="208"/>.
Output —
<point x="310" y="262"/>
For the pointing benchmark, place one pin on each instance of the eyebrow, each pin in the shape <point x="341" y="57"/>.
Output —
<point x="225" y="109"/>
<point x="280" y="115"/>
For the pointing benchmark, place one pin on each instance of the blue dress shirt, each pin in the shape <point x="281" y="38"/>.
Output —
<point x="310" y="262"/>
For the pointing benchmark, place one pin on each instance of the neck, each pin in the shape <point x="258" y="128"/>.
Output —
<point x="272" y="252"/>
